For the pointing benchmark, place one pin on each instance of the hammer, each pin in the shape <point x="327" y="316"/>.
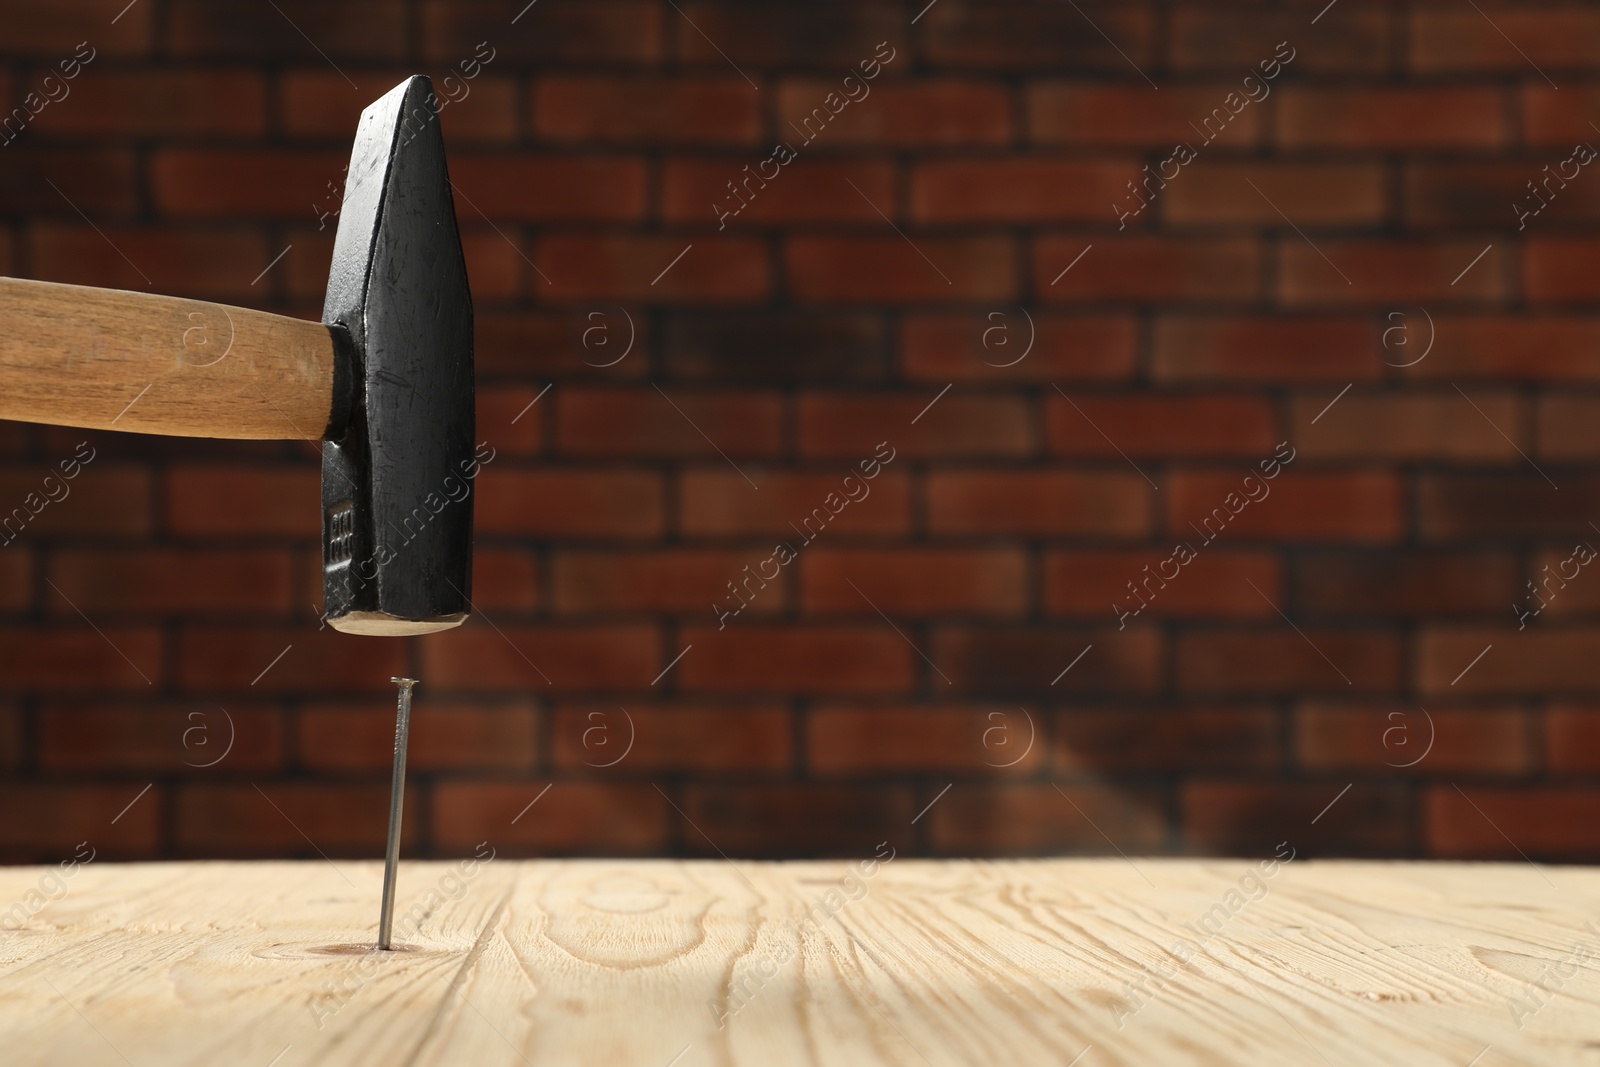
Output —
<point x="385" y="380"/>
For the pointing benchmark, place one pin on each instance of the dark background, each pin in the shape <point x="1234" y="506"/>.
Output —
<point x="920" y="642"/>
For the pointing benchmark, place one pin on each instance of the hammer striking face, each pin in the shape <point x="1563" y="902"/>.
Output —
<point x="385" y="379"/>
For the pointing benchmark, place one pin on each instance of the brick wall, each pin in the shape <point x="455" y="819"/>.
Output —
<point x="1335" y="263"/>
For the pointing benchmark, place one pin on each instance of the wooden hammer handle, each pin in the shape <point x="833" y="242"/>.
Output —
<point x="114" y="360"/>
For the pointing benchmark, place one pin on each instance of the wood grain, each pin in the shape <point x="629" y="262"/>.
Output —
<point x="108" y="359"/>
<point x="713" y="963"/>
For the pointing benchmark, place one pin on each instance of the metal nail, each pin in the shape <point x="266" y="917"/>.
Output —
<point x="397" y="794"/>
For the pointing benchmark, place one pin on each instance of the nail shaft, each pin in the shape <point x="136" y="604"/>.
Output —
<point x="397" y="794"/>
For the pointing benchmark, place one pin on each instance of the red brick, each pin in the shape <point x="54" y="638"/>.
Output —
<point x="1519" y="664"/>
<point x="1310" y="194"/>
<point x="1392" y="117"/>
<point x="1006" y="820"/>
<point x="806" y="190"/>
<point x="303" y="270"/>
<point x="644" y="541"/>
<point x="812" y="659"/>
<point x="652" y="422"/>
<point x="830" y="35"/>
<point x="1519" y="504"/>
<point x="1021" y="189"/>
<point x="1235" y="41"/>
<point x="717" y="503"/>
<point x="286" y="29"/>
<point x="574" y="818"/>
<point x="159" y="448"/>
<point x="107" y="501"/>
<point x="1146" y="270"/>
<point x="572" y="31"/>
<point x="866" y="739"/>
<point x="1286" y="660"/>
<point x="1272" y="819"/>
<point x="552" y="502"/>
<point x="14" y="438"/>
<point x="1169" y="739"/>
<point x="1131" y="115"/>
<point x="1191" y="425"/>
<point x="1572" y="739"/>
<point x="796" y="346"/>
<point x="16" y="578"/>
<point x="1405" y="583"/>
<point x="511" y="418"/>
<point x="1038" y="661"/>
<point x="450" y="735"/>
<point x="252" y="501"/>
<point x="306" y="559"/>
<point x="943" y="112"/>
<point x="304" y="819"/>
<point x="851" y="425"/>
<point x="11" y="737"/>
<point x="532" y="188"/>
<point x="914" y="581"/>
<point x="1411" y="426"/>
<point x="1387" y="273"/>
<point x="48" y="821"/>
<point x="709" y="109"/>
<point x="169" y="737"/>
<point x="941" y="347"/>
<point x="550" y="344"/>
<point x="657" y="580"/>
<point x="241" y="658"/>
<point x="711" y="270"/>
<point x="257" y="183"/>
<point x="888" y="269"/>
<point x="807" y="819"/>
<point x="1511" y="824"/>
<point x="495" y="266"/>
<point x="177" y="581"/>
<point x="1265" y="349"/>
<point x="502" y="579"/>
<point x="1382" y="737"/>
<point x="676" y="737"/>
<point x="488" y="658"/>
<point x="1559" y="119"/>
<point x="80" y="658"/>
<point x="1562" y="592"/>
<point x="1557" y="588"/>
<point x="1447" y="39"/>
<point x="1216" y="584"/>
<point x="200" y="263"/>
<point x="160" y="102"/>
<point x="1300" y="506"/>
<point x="1566" y="427"/>
<point x="1466" y="194"/>
<point x="1561" y="269"/>
<point x="321" y="104"/>
<point x="986" y="36"/>
<point x="1512" y="348"/>
<point x="55" y="32"/>
<point x="98" y="181"/>
<point x="1014" y="503"/>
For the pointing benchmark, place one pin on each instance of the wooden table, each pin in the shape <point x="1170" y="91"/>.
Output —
<point x="651" y="964"/>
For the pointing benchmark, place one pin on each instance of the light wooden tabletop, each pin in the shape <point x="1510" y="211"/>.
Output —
<point x="874" y="961"/>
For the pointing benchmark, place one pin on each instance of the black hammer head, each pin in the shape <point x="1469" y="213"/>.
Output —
<point x="398" y="464"/>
